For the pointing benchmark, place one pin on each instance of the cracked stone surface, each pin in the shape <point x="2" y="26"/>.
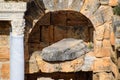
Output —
<point x="66" y="49"/>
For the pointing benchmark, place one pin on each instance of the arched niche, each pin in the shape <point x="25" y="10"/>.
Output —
<point x="57" y="25"/>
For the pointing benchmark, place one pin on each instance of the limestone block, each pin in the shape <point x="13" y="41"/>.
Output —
<point x="99" y="33"/>
<point x="106" y="12"/>
<point x="66" y="66"/>
<point x="66" y="49"/>
<point x="4" y="56"/>
<point x="106" y="43"/>
<point x="118" y="32"/>
<point x="106" y="76"/>
<point x="75" y="4"/>
<point x="88" y="62"/>
<point x="5" y="71"/>
<point x="31" y="65"/>
<point x="113" y="2"/>
<point x="112" y="38"/>
<point x="103" y="52"/>
<point x="104" y="2"/>
<point x="102" y="64"/>
<point x="107" y="32"/>
<point x="97" y="19"/>
<point x="87" y="9"/>
<point x="115" y="70"/>
<point x="49" y="4"/>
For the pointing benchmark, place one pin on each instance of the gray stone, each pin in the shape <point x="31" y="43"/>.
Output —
<point x="88" y="63"/>
<point x="104" y="1"/>
<point x="116" y="23"/>
<point x="66" y="49"/>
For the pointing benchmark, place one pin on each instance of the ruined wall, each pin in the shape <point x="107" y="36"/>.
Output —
<point x="4" y="50"/>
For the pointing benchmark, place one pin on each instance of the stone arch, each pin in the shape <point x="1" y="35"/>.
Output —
<point x="54" y="26"/>
<point x="99" y="13"/>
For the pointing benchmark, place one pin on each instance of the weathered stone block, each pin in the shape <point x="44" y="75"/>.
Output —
<point x="106" y="76"/>
<point x="115" y="70"/>
<point x="5" y="71"/>
<point x="75" y="4"/>
<point x="31" y="65"/>
<point x="107" y="32"/>
<point x="66" y="49"/>
<point x="102" y="64"/>
<point x="106" y="13"/>
<point x="97" y="19"/>
<point x="66" y="66"/>
<point x="103" y="52"/>
<point x="113" y="2"/>
<point x="87" y="9"/>
<point x="99" y="33"/>
<point x="88" y="62"/>
<point x="104" y="1"/>
<point x="106" y="43"/>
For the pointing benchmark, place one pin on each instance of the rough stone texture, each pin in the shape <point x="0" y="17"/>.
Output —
<point x="103" y="52"/>
<point x="113" y="2"/>
<point x="104" y="2"/>
<point x="68" y="66"/>
<point x="102" y="64"/>
<point x="103" y="76"/>
<point x="106" y="43"/>
<point x="88" y="62"/>
<point x="5" y="71"/>
<point x="32" y="64"/>
<point x="112" y="38"/>
<point x="115" y="70"/>
<point x="87" y="9"/>
<point x="107" y="33"/>
<point x="99" y="33"/>
<point x="66" y="49"/>
<point x="116" y="23"/>
<point x="52" y="5"/>
<point x="98" y="11"/>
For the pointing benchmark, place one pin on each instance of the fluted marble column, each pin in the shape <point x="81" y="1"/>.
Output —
<point x="17" y="50"/>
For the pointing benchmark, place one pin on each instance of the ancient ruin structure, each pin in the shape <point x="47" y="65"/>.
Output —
<point x="27" y="27"/>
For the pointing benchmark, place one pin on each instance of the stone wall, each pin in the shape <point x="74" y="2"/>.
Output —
<point x="100" y="14"/>
<point x="4" y="49"/>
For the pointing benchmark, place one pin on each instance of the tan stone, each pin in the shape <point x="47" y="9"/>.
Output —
<point x="106" y="43"/>
<point x="97" y="19"/>
<point x="102" y="64"/>
<point x="87" y="9"/>
<point x="4" y="53"/>
<point x="107" y="31"/>
<point x="106" y="76"/>
<point x="5" y="71"/>
<point x="104" y="1"/>
<point x="113" y="2"/>
<point x="112" y="38"/>
<point x="115" y="70"/>
<point x="103" y="52"/>
<point x="99" y="33"/>
<point x="67" y="66"/>
<point x="106" y="12"/>
<point x="31" y="65"/>
<point x="4" y="57"/>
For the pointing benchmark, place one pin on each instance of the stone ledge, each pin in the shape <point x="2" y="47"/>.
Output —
<point x="83" y="63"/>
<point x="12" y="7"/>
